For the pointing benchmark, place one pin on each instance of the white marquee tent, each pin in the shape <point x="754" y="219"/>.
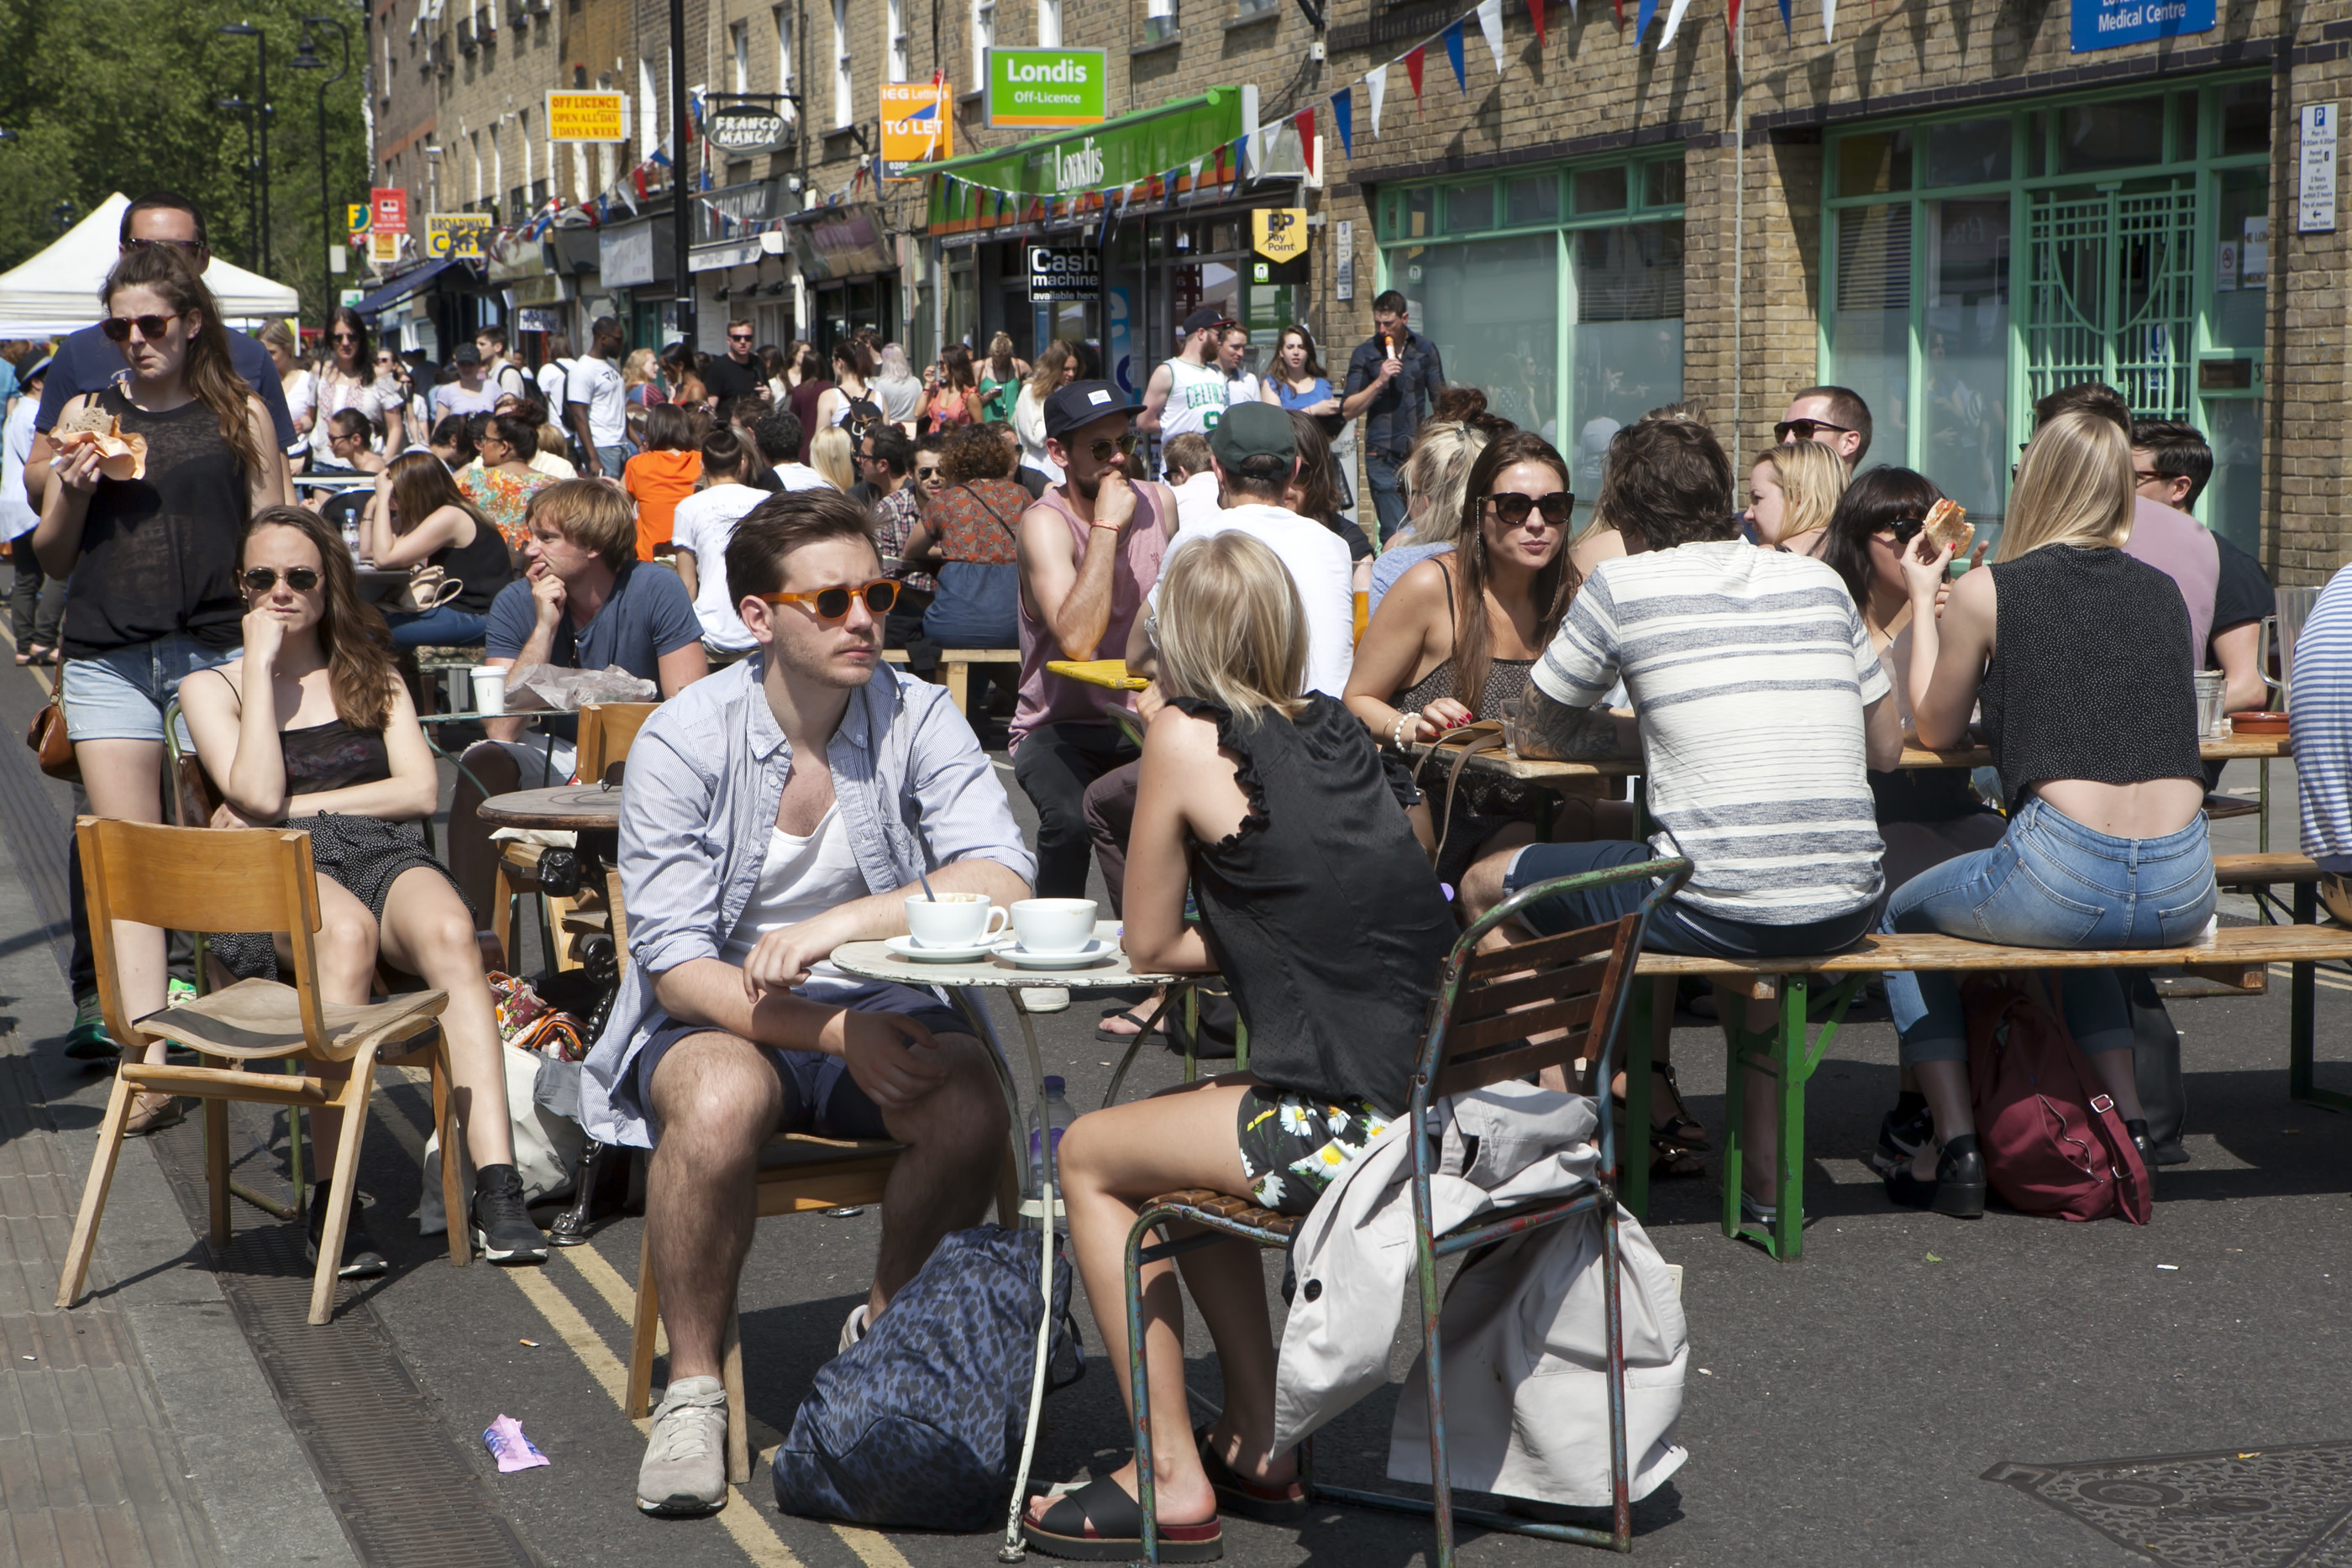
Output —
<point x="57" y="291"/>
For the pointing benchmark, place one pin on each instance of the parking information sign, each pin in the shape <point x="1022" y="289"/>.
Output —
<point x="2316" y="190"/>
<point x="1064" y="273"/>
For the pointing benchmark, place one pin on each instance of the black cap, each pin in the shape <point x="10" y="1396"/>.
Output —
<point x="1081" y="403"/>
<point x="1206" y="316"/>
<point x="466" y="354"/>
<point x="32" y="365"/>
<point x="1254" y="430"/>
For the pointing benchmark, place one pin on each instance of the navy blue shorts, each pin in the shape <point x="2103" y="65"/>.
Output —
<point x="820" y="1096"/>
<point x="1675" y="926"/>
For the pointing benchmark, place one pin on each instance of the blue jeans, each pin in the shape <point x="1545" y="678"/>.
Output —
<point x="1388" y="502"/>
<point x="977" y="606"/>
<point x="442" y="628"/>
<point x="1675" y="926"/>
<point x="2050" y="883"/>
<point x="613" y="459"/>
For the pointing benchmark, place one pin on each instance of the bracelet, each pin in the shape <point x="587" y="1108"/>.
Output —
<point x="1396" y="730"/>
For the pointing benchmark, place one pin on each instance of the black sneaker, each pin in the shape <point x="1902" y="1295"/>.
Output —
<point x="360" y="1260"/>
<point x="1901" y="1137"/>
<point x="503" y="1232"/>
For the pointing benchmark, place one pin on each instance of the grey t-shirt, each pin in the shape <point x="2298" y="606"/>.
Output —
<point x="648" y="616"/>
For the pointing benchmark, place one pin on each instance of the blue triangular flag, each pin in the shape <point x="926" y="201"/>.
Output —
<point x="1784" y="18"/>
<point x="1343" y="110"/>
<point x="1454" y="48"/>
<point x="1641" y="21"/>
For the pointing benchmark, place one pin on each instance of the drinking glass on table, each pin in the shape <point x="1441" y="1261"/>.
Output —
<point x="1512" y="708"/>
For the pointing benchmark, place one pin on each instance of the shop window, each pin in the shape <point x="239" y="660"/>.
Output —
<point x="1870" y="329"/>
<point x="2246" y="117"/>
<point x="1492" y="308"/>
<point x="2242" y="259"/>
<point x="1534" y="200"/>
<point x="1874" y="161"/>
<point x="1968" y="152"/>
<point x="1600" y="190"/>
<point x="1965" y="414"/>
<point x="2184" y="127"/>
<point x="2118" y="134"/>
<point x="1469" y="209"/>
<point x="1662" y="183"/>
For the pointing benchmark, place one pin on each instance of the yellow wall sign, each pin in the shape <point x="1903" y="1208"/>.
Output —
<point x="355" y="216"/>
<point x="587" y="117"/>
<point x="383" y="249"/>
<point x="918" y="126"/>
<point x="1279" y="233"/>
<point x="455" y="236"/>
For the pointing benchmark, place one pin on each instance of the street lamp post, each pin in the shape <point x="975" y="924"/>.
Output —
<point x="306" y="58"/>
<point x="261" y="113"/>
<point x="233" y="104"/>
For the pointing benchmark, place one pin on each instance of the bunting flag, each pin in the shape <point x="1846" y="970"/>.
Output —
<point x="1829" y="19"/>
<point x="1412" y="63"/>
<point x="637" y="178"/>
<point x="1305" y="120"/>
<point x="1674" y="20"/>
<point x="1735" y="24"/>
<point x="1376" y="90"/>
<point x="1454" y="54"/>
<point x="1343" y="113"/>
<point x="1620" y="7"/>
<point x="1647" y="14"/>
<point x="1535" y="15"/>
<point x="1490" y="22"/>
<point x="659" y="157"/>
<point x="1784" y="18"/>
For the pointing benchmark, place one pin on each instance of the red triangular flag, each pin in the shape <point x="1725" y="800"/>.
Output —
<point x="638" y="175"/>
<point x="1735" y="22"/>
<point x="1412" y="70"/>
<point x="1619" y="6"/>
<point x="1535" y="15"/>
<point x="1305" y="120"/>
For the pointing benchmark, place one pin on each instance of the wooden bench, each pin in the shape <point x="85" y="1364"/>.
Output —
<point x="957" y="664"/>
<point x="2238" y="957"/>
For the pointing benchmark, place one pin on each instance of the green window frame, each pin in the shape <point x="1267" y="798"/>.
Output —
<point x="2109" y="221"/>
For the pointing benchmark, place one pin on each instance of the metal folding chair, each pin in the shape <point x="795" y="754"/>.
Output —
<point x="1488" y="1005"/>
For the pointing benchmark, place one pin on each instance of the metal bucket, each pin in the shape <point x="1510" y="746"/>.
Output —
<point x="2213" y="704"/>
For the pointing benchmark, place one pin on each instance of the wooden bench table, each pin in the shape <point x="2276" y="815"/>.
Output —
<point x="2237" y="956"/>
<point x="958" y="662"/>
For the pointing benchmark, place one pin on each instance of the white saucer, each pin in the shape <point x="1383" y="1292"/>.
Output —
<point x="906" y="947"/>
<point x="1095" y="951"/>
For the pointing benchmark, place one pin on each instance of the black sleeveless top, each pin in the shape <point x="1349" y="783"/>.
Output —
<point x="1322" y="911"/>
<point x="1505" y="678"/>
<point x="159" y="553"/>
<point x="2088" y="677"/>
<point x="332" y="756"/>
<point x="484" y="567"/>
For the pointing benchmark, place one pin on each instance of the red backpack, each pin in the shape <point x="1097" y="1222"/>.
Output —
<point x="2053" y="1141"/>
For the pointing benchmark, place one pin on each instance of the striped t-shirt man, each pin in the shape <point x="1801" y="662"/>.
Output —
<point x="2320" y="710"/>
<point x="1749" y="671"/>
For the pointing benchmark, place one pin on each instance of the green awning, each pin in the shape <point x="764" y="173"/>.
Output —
<point x="1111" y="156"/>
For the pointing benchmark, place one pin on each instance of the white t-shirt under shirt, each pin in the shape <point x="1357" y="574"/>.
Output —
<point x="597" y="383"/>
<point x="704" y="524"/>
<point x="1317" y="561"/>
<point x="1749" y="670"/>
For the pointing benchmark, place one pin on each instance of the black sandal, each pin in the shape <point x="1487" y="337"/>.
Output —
<point x="1144" y="1026"/>
<point x="1245" y="1499"/>
<point x="1679" y="1127"/>
<point x="1100" y="1524"/>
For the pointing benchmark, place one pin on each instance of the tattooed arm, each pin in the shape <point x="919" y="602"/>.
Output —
<point x="1554" y="732"/>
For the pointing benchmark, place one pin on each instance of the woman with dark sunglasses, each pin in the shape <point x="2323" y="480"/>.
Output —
<point x="151" y="559"/>
<point x="311" y="728"/>
<point x="349" y="377"/>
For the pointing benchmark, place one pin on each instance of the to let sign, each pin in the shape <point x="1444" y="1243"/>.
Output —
<point x="2106" y="24"/>
<point x="1063" y="273"/>
<point x="390" y="210"/>
<point x="918" y="126"/>
<point x="2316" y="190"/>
<point x="1048" y="87"/>
<point x="587" y="117"/>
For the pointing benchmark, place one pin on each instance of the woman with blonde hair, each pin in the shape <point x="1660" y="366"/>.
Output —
<point x="1433" y="479"/>
<point x="640" y="381"/>
<point x="1000" y="376"/>
<point x="1056" y="366"/>
<point x="294" y="377"/>
<point x="829" y="455"/>
<point x="1793" y="490"/>
<point x="1317" y="905"/>
<point x="2073" y="650"/>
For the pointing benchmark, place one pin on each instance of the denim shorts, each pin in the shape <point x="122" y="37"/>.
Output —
<point x="820" y="1096"/>
<point x="121" y="695"/>
<point x="2050" y="883"/>
<point x="1675" y="926"/>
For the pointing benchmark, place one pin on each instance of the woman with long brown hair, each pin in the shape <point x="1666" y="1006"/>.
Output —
<point x="311" y="729"/>
<point x="420" y="517"/>
<point x="956" y="399"/>
<point x="151" y="558"/>
<point x="349" y="378"/>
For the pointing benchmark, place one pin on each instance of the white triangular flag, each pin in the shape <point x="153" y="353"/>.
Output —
<point x="1828" y="18"/>
<point x="1674" y="17"/>
<point x="1490" y="22"/>
<point x="1376" y="89"/>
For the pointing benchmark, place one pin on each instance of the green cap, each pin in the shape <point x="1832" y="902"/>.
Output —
<point x="1254" y="430"/>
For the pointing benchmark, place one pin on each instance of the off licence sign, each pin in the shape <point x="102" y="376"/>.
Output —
<point x="1045" y="87"/>
<point x="587" y="117"/>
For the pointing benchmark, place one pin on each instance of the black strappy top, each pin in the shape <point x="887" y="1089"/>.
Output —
<point x="1505" y="678"/>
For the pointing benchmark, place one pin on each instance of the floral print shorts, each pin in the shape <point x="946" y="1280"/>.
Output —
<point x="1293" y="1146"/>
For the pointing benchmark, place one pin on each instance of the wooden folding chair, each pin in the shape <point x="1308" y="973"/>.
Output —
<point x="607" y="730"/>
<point x="1573" y="987"/>
<point x="257" y="879"/>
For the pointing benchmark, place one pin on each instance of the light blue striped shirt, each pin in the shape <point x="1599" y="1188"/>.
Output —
<point x="2319" y="720"/>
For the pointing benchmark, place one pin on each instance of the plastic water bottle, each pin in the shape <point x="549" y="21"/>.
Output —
<point x="1056" y="1116"/>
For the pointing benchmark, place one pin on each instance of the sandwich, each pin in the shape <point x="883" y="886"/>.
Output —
<point x="1947" y="527"/>
<point x="122" y="454"/>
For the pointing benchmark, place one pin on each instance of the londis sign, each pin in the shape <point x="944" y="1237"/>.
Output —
<point x="1047" y="88"/>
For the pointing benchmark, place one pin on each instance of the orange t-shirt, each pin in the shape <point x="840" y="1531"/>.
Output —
<point x="658" y="481"/>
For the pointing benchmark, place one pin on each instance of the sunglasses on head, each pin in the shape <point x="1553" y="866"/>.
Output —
<point x="833" y="603"/>
<point x="262" y="579"/>
<point x="174" y="244"/>
<point x="1806" y="429"/>
<point x="1513" y="507"/>
<point x="1124" y="447"/>
<point x="118" y="328"/>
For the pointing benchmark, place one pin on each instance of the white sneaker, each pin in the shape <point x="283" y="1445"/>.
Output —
<point x="685" y="1468"/>
<point x="853" y="1329"/>
<point x="1044" y="999"/>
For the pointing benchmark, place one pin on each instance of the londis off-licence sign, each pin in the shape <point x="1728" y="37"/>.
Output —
<point x="1047" y="87"/>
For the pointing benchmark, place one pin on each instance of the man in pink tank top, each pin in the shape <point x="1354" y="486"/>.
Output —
<point x="1089" y="553"/>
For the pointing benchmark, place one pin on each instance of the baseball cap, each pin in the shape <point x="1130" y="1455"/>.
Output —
<point x="466" y="354"/>
<point x="33" y="364"/>
<point x="1254" y="430"/>
<point x="1206" y="316"/>
<point x="1081" y="403"/>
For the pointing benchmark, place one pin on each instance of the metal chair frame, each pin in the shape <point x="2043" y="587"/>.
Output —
<point x="1485" y="1005"/>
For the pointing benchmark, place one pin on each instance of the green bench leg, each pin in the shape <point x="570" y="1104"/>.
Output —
<point x="1790" y="1072"/>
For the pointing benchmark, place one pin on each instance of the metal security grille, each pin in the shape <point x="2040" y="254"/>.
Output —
<point x="2112" y="297"/>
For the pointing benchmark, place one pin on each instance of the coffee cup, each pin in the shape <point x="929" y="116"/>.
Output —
<point x="1053" y="924"/>
<point x="954" y="920"/>
<point x="489" y="690"/>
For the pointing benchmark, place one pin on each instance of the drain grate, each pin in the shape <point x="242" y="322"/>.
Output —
<point x="2256" y="1507"/>
<point x="407" y="1497"/>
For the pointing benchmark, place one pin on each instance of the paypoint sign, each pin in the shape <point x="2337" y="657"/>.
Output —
<point x="1046" y="87"/>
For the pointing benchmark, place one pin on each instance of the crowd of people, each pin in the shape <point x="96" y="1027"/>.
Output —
<point x="749" y="531"/>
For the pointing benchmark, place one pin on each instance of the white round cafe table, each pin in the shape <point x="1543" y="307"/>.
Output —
<point x="966" y="982"/>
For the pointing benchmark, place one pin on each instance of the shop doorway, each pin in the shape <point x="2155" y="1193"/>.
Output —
<point x="841" y="308"/>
